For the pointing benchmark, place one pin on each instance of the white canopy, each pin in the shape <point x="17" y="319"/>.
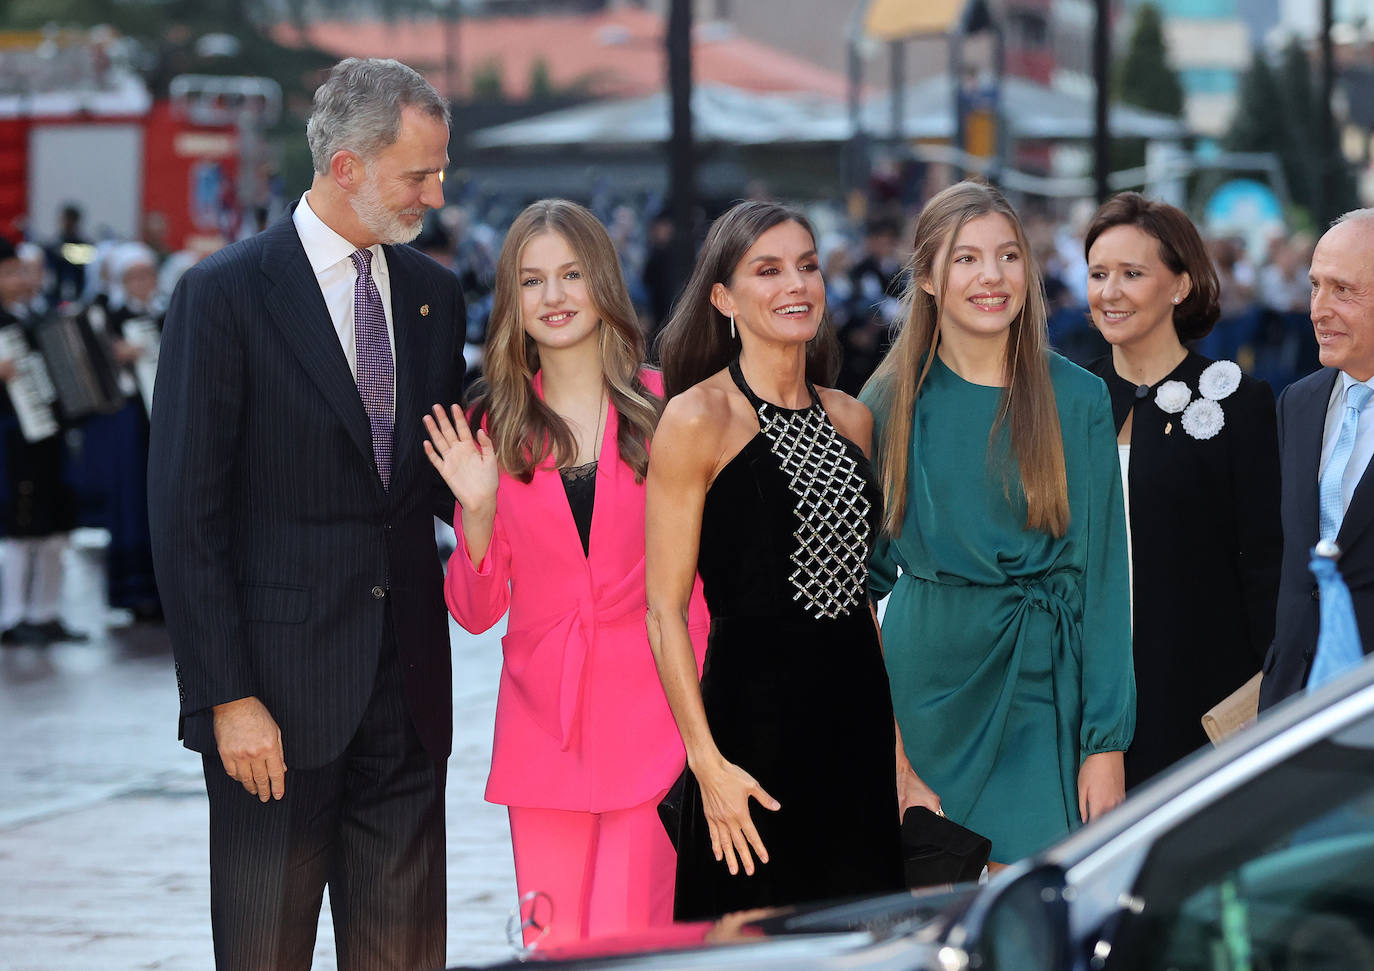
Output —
<point x="728" y="115"/>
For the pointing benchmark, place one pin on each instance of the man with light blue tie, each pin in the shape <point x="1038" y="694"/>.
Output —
<point x="1326" y="441"/>
<point x="292" y="506"/>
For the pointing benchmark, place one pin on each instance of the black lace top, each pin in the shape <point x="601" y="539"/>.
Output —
<point x="579" y="482"/>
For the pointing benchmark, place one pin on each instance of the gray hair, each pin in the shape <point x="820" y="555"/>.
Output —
<point x="1354" y="216"/>
<point x="358" y="108"/>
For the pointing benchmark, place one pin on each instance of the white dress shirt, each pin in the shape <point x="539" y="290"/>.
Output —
<point x="330" y="256"/>
<point x="1364" y="438"/>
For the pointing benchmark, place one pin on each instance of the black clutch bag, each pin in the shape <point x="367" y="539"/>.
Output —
<point x="936" y="850"/>
<point x="670" y="807"/>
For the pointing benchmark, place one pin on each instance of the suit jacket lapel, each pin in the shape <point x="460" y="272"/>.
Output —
<point x="296" y="306"/>
<point x="410" y="326"/>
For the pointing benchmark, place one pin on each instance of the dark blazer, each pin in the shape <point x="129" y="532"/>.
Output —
<point x="279" y="555"/>
<point x="1302" y="417"/>
<point x="1205" y="551"/>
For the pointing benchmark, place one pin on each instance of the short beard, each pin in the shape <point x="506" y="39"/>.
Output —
<point x="386" y="225"/>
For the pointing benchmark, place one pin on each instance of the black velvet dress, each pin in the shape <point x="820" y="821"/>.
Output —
<point x="794" y="687"/>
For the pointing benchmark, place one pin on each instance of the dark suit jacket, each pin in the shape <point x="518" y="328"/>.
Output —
<point x="1302" y="417"/>
<point x="277" y="550"/>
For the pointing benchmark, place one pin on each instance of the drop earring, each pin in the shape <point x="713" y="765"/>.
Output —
<point x="732" y="325"/>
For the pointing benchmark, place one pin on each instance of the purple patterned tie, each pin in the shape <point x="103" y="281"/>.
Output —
<point x="376" y="373"/>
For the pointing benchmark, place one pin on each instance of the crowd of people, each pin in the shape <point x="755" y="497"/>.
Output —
<point x="688" y="506"/>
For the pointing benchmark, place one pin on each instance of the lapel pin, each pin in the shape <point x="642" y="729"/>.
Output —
<point x="1168" y="427"/>
<point x="424" y="310"/>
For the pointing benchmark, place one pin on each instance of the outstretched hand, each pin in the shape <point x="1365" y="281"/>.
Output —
<point x="466" y="462"/>
<point x="725" y="793"/>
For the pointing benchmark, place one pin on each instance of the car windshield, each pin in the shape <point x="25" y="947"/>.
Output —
<point x="1279" y="874"/>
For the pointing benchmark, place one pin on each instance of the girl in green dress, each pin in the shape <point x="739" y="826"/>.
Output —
<point x="1008" y="632"/>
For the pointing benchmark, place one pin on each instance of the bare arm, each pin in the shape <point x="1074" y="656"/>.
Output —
<point x="685" y="451"/>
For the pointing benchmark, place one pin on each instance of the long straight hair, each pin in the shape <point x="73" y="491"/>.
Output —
<point x="1027" y="403"/>
<point x="696" y="341"/>
<point x="524" y="430"/>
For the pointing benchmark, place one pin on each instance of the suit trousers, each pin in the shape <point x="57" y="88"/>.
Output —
<point x="369" y="825"/>
<point x="602" y="873"/>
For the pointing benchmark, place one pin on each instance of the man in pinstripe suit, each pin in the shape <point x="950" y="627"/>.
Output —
<point x="291" y="506"/>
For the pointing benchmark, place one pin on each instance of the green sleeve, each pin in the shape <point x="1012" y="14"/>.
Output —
<point x="1108" y="669"/>
<point x="882" y="569"/>
<point x="882" y="563"/>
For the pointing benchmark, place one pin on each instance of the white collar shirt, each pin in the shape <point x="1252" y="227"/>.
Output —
<point x="330" y="256"/>
<point x="1364" y="438"/>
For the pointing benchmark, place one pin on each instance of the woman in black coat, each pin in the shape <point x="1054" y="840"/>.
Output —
<point x="1199" y="455"/>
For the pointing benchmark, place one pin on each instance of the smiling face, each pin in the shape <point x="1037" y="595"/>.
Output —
<point x="556" y="309"/>
<point x="404" y="180"/>
<point x="1131" y="292"/>
<point x="776" y="291"/>
<point x="985" y="289"/>
<point x="1343" y="298"/>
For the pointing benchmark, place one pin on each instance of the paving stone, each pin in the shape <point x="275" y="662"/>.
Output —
<point x="103" y="818"/>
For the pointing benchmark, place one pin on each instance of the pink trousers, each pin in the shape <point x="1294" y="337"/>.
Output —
<point x="603" y="873"/>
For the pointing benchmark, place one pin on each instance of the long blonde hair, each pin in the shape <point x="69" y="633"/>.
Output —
<point x="1027" y="404"/>
<point x="524" y="430"/>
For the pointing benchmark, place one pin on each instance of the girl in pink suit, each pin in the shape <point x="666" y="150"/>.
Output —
<point x="550" y="522"/>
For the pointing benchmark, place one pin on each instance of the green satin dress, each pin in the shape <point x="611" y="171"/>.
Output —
<point x="1008" y="650"/>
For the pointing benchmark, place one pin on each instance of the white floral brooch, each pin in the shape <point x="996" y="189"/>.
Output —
<point x="1203" y="418"/>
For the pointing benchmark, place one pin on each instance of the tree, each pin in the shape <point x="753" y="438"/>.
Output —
<point x="1143" y="78"/>
<point x="1276" y="112"/>
<point x="541" y="85"/>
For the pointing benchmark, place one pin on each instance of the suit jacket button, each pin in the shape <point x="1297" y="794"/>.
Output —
<point x="378" y="592"/>
<point x="1316" y="593"/>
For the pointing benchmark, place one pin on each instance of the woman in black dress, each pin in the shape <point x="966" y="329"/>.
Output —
<point x="761" y="481"/>
<point x="1199" y="455"/>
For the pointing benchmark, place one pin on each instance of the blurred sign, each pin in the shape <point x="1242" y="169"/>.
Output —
<point x="1244" y="208"/>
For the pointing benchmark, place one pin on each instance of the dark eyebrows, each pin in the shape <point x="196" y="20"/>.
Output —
<point x="1126" y="263"/>
<point x="808" y="255"/>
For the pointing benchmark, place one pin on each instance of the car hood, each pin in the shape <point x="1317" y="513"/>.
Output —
<point x="906" y="928"/>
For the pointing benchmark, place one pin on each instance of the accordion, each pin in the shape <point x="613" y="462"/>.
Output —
<point x="83" y="372"/>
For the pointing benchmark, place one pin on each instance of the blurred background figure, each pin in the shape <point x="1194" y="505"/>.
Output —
<point x="69" y="255"/>
<point x="114" y="457"/>
<point x="37" y="509"/>
<point x="876" y="283"/>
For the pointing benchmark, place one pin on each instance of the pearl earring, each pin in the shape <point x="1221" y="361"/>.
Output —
<point x="732" y="325"/>
<point x="1175" y="299"/>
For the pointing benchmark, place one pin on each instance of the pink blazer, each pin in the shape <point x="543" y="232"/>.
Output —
<point x="581" y="720"/>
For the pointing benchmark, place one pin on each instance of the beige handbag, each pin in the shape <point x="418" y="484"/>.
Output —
<point x="1234" y="712"/>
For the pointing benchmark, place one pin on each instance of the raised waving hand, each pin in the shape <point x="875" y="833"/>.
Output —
<point x="467" y="463"/>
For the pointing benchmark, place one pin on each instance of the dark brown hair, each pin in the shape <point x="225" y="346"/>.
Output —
<point x="524" y="430"/>
<point x="1027" y="404"/>
<point x="1180" y="249"/>
<point x="696" y="341"/>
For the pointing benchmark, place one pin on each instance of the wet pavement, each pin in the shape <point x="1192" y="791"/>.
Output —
<point x="103" y="817"/>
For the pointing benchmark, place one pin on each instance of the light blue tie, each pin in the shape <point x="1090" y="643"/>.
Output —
<point x="1356" y="397"/>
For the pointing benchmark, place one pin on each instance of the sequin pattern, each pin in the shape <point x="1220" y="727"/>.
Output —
<point x="830" y="563"/>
